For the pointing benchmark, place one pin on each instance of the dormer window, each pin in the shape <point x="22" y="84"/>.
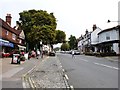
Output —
<point x="13" y="36"/>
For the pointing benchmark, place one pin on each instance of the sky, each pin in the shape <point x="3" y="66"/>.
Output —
<point x="73" y="16"/>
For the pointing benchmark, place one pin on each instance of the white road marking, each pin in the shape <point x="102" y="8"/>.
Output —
<point x="66" y="77"/>
<point x="106" y="66"/>
<point x="71" y="87"/>
<point x="63" y="70"/>
<point x="84" y="60"/>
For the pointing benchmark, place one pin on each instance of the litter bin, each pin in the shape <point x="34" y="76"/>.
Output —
<point x="16" y="59"/>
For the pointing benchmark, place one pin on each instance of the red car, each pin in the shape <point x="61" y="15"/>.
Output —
<point x="5" y="54"/>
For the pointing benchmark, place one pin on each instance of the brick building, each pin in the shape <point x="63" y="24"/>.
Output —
<point x="10" y="38"/>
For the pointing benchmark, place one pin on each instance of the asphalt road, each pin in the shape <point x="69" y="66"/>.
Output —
<point x="89" y="71"/>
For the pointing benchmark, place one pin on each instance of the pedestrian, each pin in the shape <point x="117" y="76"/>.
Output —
<point x="38" y="54"/>
<point x="73" y="53"/>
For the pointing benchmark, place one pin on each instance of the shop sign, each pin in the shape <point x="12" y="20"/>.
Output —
<point x="8" y="44"/>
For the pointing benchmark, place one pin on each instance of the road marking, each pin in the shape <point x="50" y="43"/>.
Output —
<point x="30" y="81"/>
<point x="63" y="70"/>
<point x="71" y="87"/>
<point x="107" y="66"/>
<point x="66" y="77"/>
<point x="84" y="60"/>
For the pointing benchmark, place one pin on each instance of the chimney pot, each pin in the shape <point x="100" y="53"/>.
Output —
<point x="94" y="27"/>
<point x="8" y="19"/>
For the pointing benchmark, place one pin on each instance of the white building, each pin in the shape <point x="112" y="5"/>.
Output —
<point x="80" y="44"/>
<point x="109" y="40"/>
<point x="84" y="42"/>
<point x="94" y="38"/>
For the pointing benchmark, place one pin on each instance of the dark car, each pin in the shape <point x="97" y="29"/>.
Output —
<point x="52" y="53"/>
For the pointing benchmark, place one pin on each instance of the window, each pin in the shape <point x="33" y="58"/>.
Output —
<point x="13" y="36"/>
<point x="107" y="36"/>
<point x="7" y="32"/>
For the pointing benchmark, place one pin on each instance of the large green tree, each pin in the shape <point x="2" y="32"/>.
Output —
<point x="38" y="25"/>
<point x="72" y="42"/>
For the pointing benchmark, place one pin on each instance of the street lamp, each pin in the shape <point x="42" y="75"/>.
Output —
<point x="112" y="21"/>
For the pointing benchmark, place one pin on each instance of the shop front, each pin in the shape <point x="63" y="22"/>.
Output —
<point x="7" y="46"/>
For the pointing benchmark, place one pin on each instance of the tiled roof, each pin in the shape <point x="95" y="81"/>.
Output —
<point x="9" y="28"/>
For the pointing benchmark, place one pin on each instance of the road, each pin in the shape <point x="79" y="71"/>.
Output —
<point x="89" y="71"/>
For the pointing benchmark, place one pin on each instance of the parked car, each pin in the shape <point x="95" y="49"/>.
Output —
<point x="77" y="52"/>
<point x="5" y="54"/>
<point x="52" y="53"/>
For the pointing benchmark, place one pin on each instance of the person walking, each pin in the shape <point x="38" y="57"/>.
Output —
<point x="38" y="54"/>
<point x="73" y="53"/>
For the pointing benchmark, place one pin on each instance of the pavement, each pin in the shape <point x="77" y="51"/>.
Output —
<point x="48" y="74"/>
<point x="113" y="58"/>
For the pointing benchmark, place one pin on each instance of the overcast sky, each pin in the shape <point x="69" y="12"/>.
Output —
<point x="73" y="16"/>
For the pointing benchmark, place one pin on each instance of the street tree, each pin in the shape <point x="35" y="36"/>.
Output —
<point x="38" y="25"/>
<point x="65" y="47"/>
<point x="60" y="36"/>
<point x="72" y="42"/>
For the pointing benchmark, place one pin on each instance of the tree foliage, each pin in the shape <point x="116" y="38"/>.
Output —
<point x="72" y="42"/>
<point x="60" y="36"/>
<point x="65" y="46"/>
<point x="38" y="25"/>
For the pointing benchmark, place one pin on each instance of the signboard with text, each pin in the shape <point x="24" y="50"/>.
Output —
<point x="8" y="44"/>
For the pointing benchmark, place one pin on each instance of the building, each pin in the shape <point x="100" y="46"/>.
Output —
<point x="94" y="38"/>
<point x="80" y="44"/>
<point x="109" y="40"/>
<point x="10" y="38"/>
<point x="84" y="42"/>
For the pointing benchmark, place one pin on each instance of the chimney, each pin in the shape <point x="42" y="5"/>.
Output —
<point x="8" y="19"/>
<point x="86" y="31"/>
<point x="94" y="27"/>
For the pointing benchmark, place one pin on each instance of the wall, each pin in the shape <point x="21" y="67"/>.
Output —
<point x="94" y="36"/>
<point x="113" y="34"/>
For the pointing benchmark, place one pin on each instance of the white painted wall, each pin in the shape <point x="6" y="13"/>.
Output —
<point x="113" y="36"/>
<point x="94" y="36"/>
<point x="116" y="48"/>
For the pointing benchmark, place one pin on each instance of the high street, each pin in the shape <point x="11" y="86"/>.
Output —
<point x="61" y="71"/>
